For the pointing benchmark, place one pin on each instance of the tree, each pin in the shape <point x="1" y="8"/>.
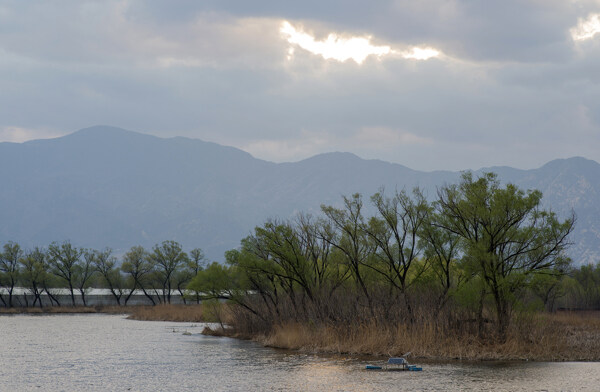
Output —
<point x="34" y="273"/>
<point x="326" y="273"/>
<point x="441" y="249"/>
<point x="351" y="240"/>
<point x="584" y="287"/>
<point x="9" y="267"/>
<point x="168" y="257"/>
<point x="196" y="264"/>
<point x="548" y="287"/>
<point x="105" y="265"/>
<point x="287" y="260"/>
<point x="84" y="270"/>
<point x="395" y="234"/>
<point x="505" y="235"/>
<point x="63" y="259"/>
<point x="196" y="260"/>
<point x="214" y="281"/>
<point x="139" y="268"/>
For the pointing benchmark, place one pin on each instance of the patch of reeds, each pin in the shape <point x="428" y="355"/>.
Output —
<point x="166" y="312"/>
<point x="542" y="337"/>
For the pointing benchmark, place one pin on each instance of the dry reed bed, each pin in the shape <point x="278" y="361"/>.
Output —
<point x="186" y="313"/>
<point x="541" y="337"/>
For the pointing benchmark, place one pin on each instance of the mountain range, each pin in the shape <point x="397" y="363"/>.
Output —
<point x="104" y="186"/>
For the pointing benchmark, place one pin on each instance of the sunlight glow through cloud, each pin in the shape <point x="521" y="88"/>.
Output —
<point x="586" y="28"/>
<point x="334" y="47"/>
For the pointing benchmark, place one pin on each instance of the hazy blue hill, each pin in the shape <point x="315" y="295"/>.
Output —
<point x="324" y="178"/>
<point x="104" y="186"/>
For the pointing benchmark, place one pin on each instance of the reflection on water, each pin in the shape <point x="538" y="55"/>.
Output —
<point x="107" y="352"/>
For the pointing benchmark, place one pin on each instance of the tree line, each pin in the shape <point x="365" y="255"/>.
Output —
<point x="469" y="260"/>
<point x="466" y="261"/>
<point x="157" y="273"/>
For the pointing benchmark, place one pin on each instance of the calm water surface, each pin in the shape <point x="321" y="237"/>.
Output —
<point x="110" y="353"/>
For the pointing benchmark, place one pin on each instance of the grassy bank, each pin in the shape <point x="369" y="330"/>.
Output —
<point x="561" y="336"/>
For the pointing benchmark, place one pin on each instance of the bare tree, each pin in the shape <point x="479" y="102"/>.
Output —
<point x="105" y="265"/>
<point x="395" y="234"/>
<point x="63" y="259"/>
<point x="84" y="272"/>
<point x="351" y="240"/>
<point x="195" y="264"/>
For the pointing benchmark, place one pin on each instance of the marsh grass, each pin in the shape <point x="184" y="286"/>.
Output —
<point x="561" y="336"/>
<point x="541" y="336"/>
<point x="185" y="313"/>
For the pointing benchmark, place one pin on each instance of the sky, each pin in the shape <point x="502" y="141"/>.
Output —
<point x="430" y="84"/>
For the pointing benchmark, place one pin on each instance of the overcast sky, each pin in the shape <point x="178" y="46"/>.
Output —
<point x="430" y="84"/>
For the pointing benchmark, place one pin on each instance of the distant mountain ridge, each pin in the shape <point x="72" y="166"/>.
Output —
<point x="105" y="186"/>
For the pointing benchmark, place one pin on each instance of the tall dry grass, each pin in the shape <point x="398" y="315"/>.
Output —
<point x="541" y="337"/>
<point x="166" y="312"/>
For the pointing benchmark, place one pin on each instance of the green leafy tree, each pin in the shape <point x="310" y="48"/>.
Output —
<point x="505" y="235"/>
<point x="138" y="267"/>
<point x="10" y="268"/>
<point x="34" y="273"/>
<point x="583" y="287"/>
<point x="214" y="282"/>
<point x="63" y="260"/>
<point x="548" y="287"/>
<point x="167" y="257"/>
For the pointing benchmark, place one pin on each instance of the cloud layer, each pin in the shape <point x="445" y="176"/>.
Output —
<point x="434" y="84"/>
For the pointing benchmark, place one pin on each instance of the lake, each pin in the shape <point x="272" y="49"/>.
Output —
<point x="108" y="352"/>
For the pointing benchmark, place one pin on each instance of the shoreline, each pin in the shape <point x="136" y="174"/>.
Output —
<point x="168" y="312"/>
<point x="265" y="342"/>
<point x="563" y="337"/>
<point x="572" y="337"/>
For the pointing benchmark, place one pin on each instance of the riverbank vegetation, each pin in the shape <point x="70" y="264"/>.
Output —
<point x="63" y="274"/>
<point x="188" y="313"/>
<point x="467" y="276"/>
<point x="477" y="273"/>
